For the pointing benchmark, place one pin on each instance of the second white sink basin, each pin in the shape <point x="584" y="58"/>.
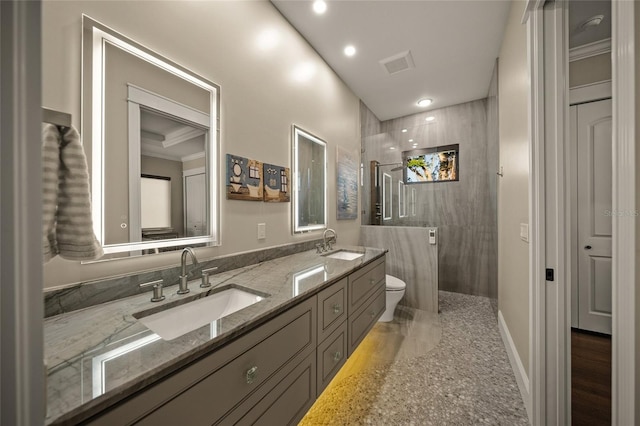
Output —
<point x="345" y="255"/>
<point x="176" y="321"/>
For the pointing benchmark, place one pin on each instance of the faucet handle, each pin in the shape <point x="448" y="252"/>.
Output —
<point x="157" y="290"/>
<point x="205" y="276"/>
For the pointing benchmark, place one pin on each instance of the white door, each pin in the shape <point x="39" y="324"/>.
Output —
<point x="594" y="215"/>
<point x="195" y="205"/>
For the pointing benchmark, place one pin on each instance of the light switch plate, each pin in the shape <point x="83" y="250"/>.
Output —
<point x="524" y="232"/>
<point x="262" y="231"/>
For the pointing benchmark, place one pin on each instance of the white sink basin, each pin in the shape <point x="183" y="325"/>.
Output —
<point x="345" y="255"/>
<point x="174" y="322"/>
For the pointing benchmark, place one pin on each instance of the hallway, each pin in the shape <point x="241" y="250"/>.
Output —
<point x="423" y="369"/>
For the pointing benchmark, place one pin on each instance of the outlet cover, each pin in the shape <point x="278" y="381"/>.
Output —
<point x="524" y="232"/>
<point x="262" y="231"/>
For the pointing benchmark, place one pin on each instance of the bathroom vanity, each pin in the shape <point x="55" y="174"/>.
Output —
<point x="266" y="363"/>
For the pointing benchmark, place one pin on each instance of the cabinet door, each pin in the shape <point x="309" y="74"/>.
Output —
<point x="362" y="320"/>
<point x="363" y="283"/>
<point x="332" y="354"/>
<point x="286" y="403"/>
<point x="218" y="393"/>
<point x="332" y="308"/>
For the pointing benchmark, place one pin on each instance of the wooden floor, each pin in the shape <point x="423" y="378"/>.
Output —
<point x="591" y="378"/>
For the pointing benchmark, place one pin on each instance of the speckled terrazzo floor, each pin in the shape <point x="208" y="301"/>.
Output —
<point x="427" y="369"/>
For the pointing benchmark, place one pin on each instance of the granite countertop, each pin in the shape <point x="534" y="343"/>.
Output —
<point x="99" y="355"/>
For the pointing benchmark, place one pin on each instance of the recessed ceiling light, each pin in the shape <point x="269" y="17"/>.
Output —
<point x="594" y="21"/>
<point x="410" y="140"/>
<point x="430" y="118"/>
<point x="319" y="7"/>
<point x="349" y="50"/>
<point x="424" y="102"/>
<point x="415" y="145"/>
<point x="392" y="148"/>
<point x="404" y="130"/>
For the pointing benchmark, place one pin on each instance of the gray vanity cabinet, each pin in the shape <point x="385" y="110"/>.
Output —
<point x="241" y="373"/>
<point x="273" y="374"/>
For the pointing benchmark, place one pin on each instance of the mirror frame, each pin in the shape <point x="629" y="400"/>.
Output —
<point x="94" y="38"/>
<point x="297" y="228"/>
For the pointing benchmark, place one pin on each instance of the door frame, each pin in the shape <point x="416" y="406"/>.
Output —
<point x="550" y="309"/>
<point x="22" y="387"/>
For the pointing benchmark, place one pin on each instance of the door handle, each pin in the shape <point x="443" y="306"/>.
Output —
<point x="587" y="247"/>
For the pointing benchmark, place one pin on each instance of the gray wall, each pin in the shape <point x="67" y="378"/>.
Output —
<point x="464" y="211"/>
<point x="410" y="258"/>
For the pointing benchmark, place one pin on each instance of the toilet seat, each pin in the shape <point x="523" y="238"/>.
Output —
<point x="395" y="284"/>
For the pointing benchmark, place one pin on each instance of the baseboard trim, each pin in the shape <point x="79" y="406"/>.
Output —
<point x="516" y="364"/>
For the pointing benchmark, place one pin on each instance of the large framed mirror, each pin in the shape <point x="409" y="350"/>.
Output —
<point x="150" y="130"/>
<point x="310" y="180"/>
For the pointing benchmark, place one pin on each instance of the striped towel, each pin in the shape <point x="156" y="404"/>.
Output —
<point x="67" y="228"/>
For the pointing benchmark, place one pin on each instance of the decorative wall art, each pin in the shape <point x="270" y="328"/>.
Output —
<point x="244" y="179"/>
<point x="346" y="184"/>
<point x="438" y="164"/>
<point x="277" y="185"/>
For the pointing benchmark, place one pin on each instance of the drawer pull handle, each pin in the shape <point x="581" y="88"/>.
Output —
<point x="251" y="374"/>
<point x="372" y="314"/>
<point x="372" y="281"/>
<point x="337" y="356"/>
<point x="337" y="309"/>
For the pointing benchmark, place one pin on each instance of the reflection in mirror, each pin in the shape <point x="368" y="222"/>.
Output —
<point x="310" y="192"/>
<point x="302" y="280"/>
<point x="150" y="129"/>
<point x="413" y="201"/>
<point x="402" y="195"/>
<point x="387" y="184"/>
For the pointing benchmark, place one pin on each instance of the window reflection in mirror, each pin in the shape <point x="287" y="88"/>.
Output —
<point x="146" y="115"/>
<point x="310" y="192"/>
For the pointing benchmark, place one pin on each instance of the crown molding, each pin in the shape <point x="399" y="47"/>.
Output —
<point x="590" y="49"/>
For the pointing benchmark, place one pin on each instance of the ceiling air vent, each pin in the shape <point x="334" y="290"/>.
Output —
<point x="396" y="63"/>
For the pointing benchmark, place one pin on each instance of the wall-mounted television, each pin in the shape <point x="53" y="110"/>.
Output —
<point x="437" y="164"/>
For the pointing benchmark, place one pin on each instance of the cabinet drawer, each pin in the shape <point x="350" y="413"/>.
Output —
<point x="285" y="404"/>
<point x="363" y="283"/>
<point x="219" y="392"/>
<point x="332" y="308"/>
<point x="361" y="322"/>
<point x="332" y="354"/>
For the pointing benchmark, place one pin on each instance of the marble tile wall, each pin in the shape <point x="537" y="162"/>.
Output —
<point x="90" y="293"/>
<point x="464" y="211"/>
<point x="410" y="258"/>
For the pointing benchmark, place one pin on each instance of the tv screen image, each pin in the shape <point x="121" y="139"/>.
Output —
<point x="431" y="165"/>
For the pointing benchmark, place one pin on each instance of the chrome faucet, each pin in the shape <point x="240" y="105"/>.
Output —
<point x="183" y="289"/>
<point x="326" y="243"/>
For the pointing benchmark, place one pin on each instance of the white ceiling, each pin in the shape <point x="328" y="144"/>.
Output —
<point x="454" y="45"/>
<point x="579" y="12"/>
<point x="164" y="137"/>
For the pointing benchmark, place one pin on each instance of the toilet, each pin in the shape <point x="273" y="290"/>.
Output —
<point x="394" y="292"/>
